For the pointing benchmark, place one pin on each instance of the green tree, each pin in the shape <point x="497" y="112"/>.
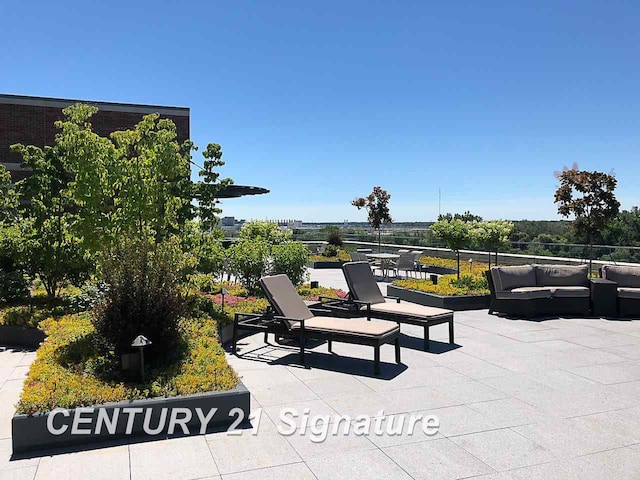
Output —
<point x="207" y="191"/>
<point x="589" y="197"/>
<point x="491" y="236"/>
<point x="465" y="217"/>
<point x="377" y="206"/>
<point x="269" y="232"/>
<point x="51" y="251"/>
<point x="455" y="234"/>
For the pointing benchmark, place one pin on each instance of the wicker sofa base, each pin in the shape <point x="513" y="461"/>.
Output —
<point x="542" y="307"/>
<point x="628" y="307"/>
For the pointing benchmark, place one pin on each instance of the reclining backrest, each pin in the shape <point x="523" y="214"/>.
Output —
<point x="507" y="278"/>
<point x="284" y="298"/>
<point x="624" y="276"/>
<point x="362" y="284"/>
<point x="562" y="275"/>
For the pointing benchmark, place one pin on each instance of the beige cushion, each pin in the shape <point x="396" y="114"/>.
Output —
<point x="562" y="275"/>
<point x="412" y="309"/>
<point x="356" y="326"/>
<point x="623" y="276"/>
<point x="570" y="292"/>
<point x="362" y="284"/>
<point x="524" y="293"/>
<point x="506" y="278"/>
<point x="628" y="292"/>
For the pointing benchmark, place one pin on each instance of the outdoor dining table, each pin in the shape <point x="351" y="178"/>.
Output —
<point x="385" y="261"/>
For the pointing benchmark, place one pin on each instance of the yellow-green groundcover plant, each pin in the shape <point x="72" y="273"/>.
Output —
<point x="471" y="282"/>
<point x="63" y="374"/>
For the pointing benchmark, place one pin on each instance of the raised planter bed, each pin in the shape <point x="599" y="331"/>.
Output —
<point x="14" y="336"/>
<point x="111" y="421"/>
<point x="337" y="264"/>
<point x="458" y="302"/>
<point x="438" y="270"/>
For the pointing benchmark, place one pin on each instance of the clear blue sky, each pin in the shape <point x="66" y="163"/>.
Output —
<point x="320" y="101"/>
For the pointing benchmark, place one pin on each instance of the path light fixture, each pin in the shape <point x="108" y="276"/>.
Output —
<point x="223" y="292"/>
<point x="140" y="342"/>
<point x="471" y="265"/>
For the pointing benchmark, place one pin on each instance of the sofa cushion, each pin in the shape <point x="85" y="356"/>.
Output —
<point x="623" y="276"/>
<point x="524" y="293"/>
<point x="629" y="292"/>
<point x="570" y="292"/>
<point x="507" y="278"/>
<point x="562" y="275"/>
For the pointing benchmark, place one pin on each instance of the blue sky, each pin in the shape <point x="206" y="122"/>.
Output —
<point x="320" y="101"/>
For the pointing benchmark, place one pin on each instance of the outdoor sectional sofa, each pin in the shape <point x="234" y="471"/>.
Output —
<point x="536" y="290"/>
<point x="628" y="287"/>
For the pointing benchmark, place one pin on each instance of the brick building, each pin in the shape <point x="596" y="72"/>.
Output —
<point x="30" y="121"/>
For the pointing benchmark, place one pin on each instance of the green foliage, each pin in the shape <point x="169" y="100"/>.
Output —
<point x="589" y="197"/>
<point x="455" y="234"/>
<point x="13" y="284"/>
<point x="330" y="251"/>
<point x="206" y="191"/>
<point x="88" y="296"/>
<point x="291" y="259"/>
<point x="144" y="295"/>
<point x="268" y="232"/>
<point x="377" y="206"/>
<point x="334" y="235"/>
<point x="448" y="285"/>
<point x="491" y="236"/>
<point x="465" y="217"/>
<point x="69" y="371"/>
<point x="249" y="260"/>
<point x="8" y="198"/>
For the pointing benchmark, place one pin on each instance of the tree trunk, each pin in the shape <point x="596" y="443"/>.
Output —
<point x="458" y="256"/>
<point x="379" y="240"/>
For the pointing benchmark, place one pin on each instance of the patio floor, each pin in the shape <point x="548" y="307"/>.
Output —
<point x="554" y="399"/>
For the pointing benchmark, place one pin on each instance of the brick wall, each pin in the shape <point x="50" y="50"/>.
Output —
<point x="34" y="124"/>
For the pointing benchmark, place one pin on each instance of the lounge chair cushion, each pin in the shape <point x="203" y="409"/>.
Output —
<point x="524" y="293"/>
<point x="507" y="278"/>
<point x="362" y="283"/>
<point x="284" y="298"/>
<point x="562" y="275"/>
<point x="357" y="326"/>
<point x="415" y="310"/>
<point x="623" y="276"/>
<point x="628" y="292"/>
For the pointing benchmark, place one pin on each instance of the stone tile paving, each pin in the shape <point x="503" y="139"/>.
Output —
<point x="516" y="400"/>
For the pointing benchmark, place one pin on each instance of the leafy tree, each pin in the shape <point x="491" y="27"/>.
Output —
<point x="8" y="198"/>
<point x="269" y="232"/>
<point x="207" y="191"/>
<point x="249" y="260"/>
<point x="377" y="206"/>
<point x="624" y="229"/>
<point x="50" y="249"/>
<point x="291" y="259"/>
<point x="465" y="217"/>
<point x="455" y="234"/>
<point x="334" y="235"/>
<point x="491" y="236"/>
<point x="589" y="197"/>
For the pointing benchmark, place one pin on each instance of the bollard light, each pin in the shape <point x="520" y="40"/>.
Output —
<point x="223" y="292"/>
<point x="471" y="265"/>
<point x="140" y="342"/>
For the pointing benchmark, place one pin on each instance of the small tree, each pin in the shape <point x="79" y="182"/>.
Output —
<point x="455" y="234"/>
<point x="334" y="235"/>
<point x="491" y="236"/>
<point x="589" y="197"/>
<point x="377" y="205"/>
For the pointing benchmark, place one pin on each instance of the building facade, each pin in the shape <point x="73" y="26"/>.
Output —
<point x="30" y="121"/>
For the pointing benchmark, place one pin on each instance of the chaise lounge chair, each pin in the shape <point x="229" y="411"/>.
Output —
<point x="292" y="318"/>
<point x="365" y="294"/>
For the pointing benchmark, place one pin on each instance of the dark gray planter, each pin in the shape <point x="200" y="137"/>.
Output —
<point x="459" y="302"/>
<point x="30" y="433"/>
<point x="27" y="337"/>
<point x="337" y="264"/>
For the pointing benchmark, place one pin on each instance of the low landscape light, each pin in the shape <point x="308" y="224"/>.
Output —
<point x="140" y="342"/>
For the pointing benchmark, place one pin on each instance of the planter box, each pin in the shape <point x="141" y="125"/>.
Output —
<point x="439" y="270"/>
<point x="11" y="335"/>
<point x="337" y="264"/>
<point x="30" y="433"/>
<point x="459" y="302"/>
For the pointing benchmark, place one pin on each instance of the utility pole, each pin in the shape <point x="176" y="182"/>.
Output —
<point x="439" y="203"/>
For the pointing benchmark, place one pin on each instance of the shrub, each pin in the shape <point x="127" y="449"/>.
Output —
<point x="291" y="259"/>
<point x="334" y="236"/>
<point x="88" y="296"/>
<point x="249" y="260"/>
<point x="144" y="295"/>
<point x="268" y="232"/>
<point x="330" y="251"/>
<point x="13" y="285"/>
<point x="30" y="317"/>
<point x="211" y="258"/>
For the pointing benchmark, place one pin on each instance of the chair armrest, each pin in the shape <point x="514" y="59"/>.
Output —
<point x="397" y="299"/>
